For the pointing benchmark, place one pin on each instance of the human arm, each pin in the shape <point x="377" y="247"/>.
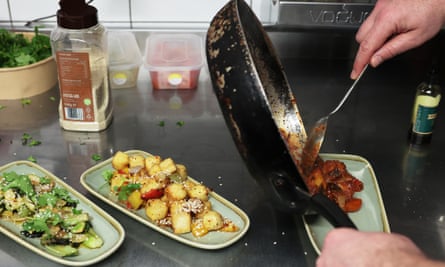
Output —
<point x="347" y="247"/>
<point x="396" y="26"/>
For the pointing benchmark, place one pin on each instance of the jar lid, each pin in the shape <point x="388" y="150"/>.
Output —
<point x="76" y="14"/>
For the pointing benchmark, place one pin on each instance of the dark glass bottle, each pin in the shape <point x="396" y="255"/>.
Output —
<point x="426" y="103"/>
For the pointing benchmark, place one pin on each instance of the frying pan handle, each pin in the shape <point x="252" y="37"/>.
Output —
<point x="331" y="211"/>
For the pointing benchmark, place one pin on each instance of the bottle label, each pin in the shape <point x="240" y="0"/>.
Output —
<point x="424" y="119"/>
<point x="75" y="85"/>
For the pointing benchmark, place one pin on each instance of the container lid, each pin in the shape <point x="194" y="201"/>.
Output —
<point x="123" y="49"/>
<point x="76" y="14"/>
<point x="173" y="50"/>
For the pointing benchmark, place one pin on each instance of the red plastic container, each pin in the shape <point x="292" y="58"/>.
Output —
<point x="174" y="61"/>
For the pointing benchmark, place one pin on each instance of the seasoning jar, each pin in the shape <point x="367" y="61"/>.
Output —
<point x="79" y="45"/>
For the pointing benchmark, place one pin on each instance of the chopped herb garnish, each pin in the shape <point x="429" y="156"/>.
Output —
<point x="52" y="98"/>
<point x="25" y="138"/>
<point x="19" y="182"/>
<point x="2" y="107"/>
<point x="96" y="157"/>
<point x="32" y="159"/>
<point x="161" y="123"/>
<point x="28" y="140"/>
<point x="35" y="143"/>
<point x="126" y="190"/>
<point x="180" y="123"/>
<point x="25" y="101"/>
<point x="107" y="175"/>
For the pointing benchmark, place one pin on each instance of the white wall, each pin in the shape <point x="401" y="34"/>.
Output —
<point x="136" y="14"/>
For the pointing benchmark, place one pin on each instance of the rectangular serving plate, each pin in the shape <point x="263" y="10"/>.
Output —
<point x="109" y="229"/>
<point x="372" y="215"/>
<point x="95" y="183"/>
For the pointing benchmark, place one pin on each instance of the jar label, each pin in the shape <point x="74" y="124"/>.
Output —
<point x="119" y="78"/>
<point x="75" y="86"/>
<point x="424" y="119"/>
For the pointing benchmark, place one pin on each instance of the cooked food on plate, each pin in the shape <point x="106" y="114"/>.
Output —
<point x="163" y="189"/>
<point x="332" y="178"/>
<point x="48" y="212"/>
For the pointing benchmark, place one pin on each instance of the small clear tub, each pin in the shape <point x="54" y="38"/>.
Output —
<point x="124" y="58"/>
<point x="174" y="61"/>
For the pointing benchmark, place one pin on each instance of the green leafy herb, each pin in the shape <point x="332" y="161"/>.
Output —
<point x="39" y="223"/>
<point x="2" y="107"/>
<point x="28" y="140"/>
<point x="25" y="138"/>
<point x="44" y="180"/>
<point x="161" y="123"/>
<point x="20" y="182"/>
<point x="180" y="123"/>
<point x="107" y="175"/>
<point x="25" y="101"/>
<point x="32" y="159"/>
<point x="51" y="198"/>
<point x="126" y="190"/>
<point x="16" y="50"/>
<point x="96" y="157"/>
<point x="35" y="143"/>
<point x="77" y="211"/>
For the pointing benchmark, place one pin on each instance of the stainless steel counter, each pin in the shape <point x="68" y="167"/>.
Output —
<point x="373" y="124"/>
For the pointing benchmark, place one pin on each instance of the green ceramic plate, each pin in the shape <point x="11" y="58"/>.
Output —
<point x="106" y="227"/>
<point x="94" y="182"/>
<point x="371" y="216"/>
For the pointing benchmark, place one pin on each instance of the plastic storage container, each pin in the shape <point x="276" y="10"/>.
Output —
<point x="174" y="61"/>
<point x="124" y="59"/>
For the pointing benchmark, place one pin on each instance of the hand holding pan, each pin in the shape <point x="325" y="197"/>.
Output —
<point x="260" y="110"/>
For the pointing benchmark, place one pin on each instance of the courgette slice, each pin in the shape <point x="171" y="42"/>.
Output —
<point x="78" y="228"/>
<point x="93" y="240"/>
<point x="62" y="251"/>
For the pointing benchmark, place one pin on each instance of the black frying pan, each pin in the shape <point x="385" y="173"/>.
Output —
<point x="260" y="110"/>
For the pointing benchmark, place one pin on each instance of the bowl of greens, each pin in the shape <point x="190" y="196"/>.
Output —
<point x="27" y="67"/>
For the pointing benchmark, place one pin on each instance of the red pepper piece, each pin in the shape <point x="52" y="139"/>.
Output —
<point x="153" y="193"/>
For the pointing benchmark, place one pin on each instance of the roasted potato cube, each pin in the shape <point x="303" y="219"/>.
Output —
<point x="181" y="220"/>
<point x="154" y="170"/>
<point x="212" y="220"/>
<point x="182" y="171"/>
<point x="150" y="161"/>
<point x="199" y="191"/>
<point x="156" y="209"/>
<point x="168" y="166"/>
<point x="198" y="228"/>
<point x="188" y="184"/>
<point x="175" y="192"/>
<point x="120" y="160"/>
<point x="181" y="223"/>
<point x="117" y="181"/>
<point x="207" y="207"/>
<point x="135" y="200"/>
<point x="229" y="226"/>
<point x="136" y="161"/>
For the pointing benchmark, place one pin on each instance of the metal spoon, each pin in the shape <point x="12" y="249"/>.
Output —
<point x="317" y="134"/>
